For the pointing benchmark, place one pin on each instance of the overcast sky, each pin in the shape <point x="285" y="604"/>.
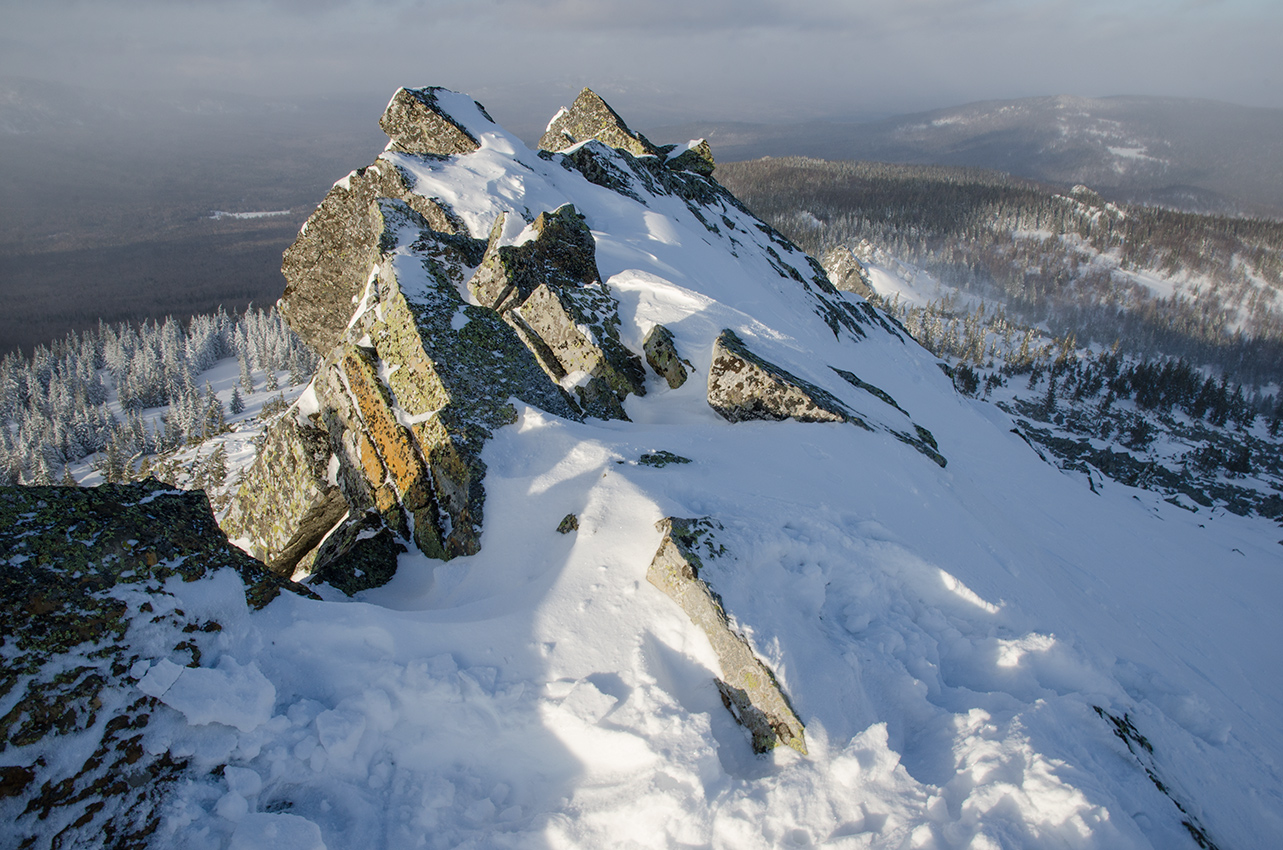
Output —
<point x="661" y="61"/>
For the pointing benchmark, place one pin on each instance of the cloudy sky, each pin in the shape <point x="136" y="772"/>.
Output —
<point x="662" y="60"/>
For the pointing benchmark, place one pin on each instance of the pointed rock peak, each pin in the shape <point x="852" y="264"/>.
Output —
<point x="696" y="155"/>
<point x="433" y="120"/>
<point x="590" y="117"/>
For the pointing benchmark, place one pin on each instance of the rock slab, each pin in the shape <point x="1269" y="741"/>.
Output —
<point x="748" y="687"/>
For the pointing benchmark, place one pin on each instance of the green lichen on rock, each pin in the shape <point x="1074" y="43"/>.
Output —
<point x="285" y="484"/>
<point x="749" y="689"/>
<point x="568" y="523"/>
<point x="416" y="124"/>
<point x="661" y="354"/>
<point x="744" y="386"/>
<point x="590" y="117"/>
<point x="79" y="562"/>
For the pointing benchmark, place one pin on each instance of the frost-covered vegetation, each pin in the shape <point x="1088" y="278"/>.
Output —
<point x="1156" y="281"/>
<point x="124" y="393"/>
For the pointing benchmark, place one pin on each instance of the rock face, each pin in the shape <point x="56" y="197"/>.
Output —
<point x="743" y="386"/>
<point x="413" y="378"/>
<point x="589" y="117"/>
<point x="748" y="687"/>
<point x="661" y="354"/>
<point x="80" y="561"/>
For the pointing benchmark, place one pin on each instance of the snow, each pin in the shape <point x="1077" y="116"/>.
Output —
<point x="945" y="635"/>
<point x="220" y="214"/>
<point x="230" y="694"/>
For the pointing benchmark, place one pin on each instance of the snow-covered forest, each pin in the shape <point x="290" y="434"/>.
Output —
<point x="1156" y="281"/>
<point x="124" y="393"/>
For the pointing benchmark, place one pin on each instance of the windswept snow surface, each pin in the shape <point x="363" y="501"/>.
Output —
<point x="946" y="635"/>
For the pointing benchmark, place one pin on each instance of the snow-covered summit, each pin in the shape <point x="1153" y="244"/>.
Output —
<point x="607" y="490"/>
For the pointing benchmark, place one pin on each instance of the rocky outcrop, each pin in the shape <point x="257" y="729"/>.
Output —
<point x="847" y="272"/>
<point x="549" y="290"/>
<point x="403" y="403"/>
<point x="386" y="451"/>
<point x="661" y="354"/>
<point x="748" y="687"/>
<point x="416" y="124"/>
<point x="328" y="264"/>
<point x="84" y="580"/>
<point x="590" y="117"/>
<point x="696" y="156"/>
<point x="742" y="386"/>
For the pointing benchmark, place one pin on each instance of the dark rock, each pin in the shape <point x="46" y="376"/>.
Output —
<point x="661" y="458"/>
<point x="568" y="523"/>
<point x="66" y="633"/>
<point x="698" y="157"/>
<point x="359" y="555"/>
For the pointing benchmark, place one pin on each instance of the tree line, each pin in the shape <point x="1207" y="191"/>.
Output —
<point x="55" y="406"/>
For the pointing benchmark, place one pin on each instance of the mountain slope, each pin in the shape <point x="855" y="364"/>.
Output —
<point x="983" y="651"/>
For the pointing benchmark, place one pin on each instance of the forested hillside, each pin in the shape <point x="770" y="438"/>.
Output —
<point x="125" y="394"/>
<point x="1155" y="281"/>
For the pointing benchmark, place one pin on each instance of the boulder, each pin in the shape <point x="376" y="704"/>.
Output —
<point x="416" y="124"/>
<point x="743" y="386"/>
<point x="590" y="117"/>
<point x="749" y="689"/>
<point x="661" y="354"/>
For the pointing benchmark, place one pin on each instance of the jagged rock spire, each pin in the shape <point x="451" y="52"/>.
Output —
<point x="416" y="124"/>
<point x="590" y="117"/>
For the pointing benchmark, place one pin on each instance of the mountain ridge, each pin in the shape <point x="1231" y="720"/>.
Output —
<point x="975" y="652"/>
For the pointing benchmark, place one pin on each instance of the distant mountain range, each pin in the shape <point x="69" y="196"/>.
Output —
<point x="1198" y="155"/>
